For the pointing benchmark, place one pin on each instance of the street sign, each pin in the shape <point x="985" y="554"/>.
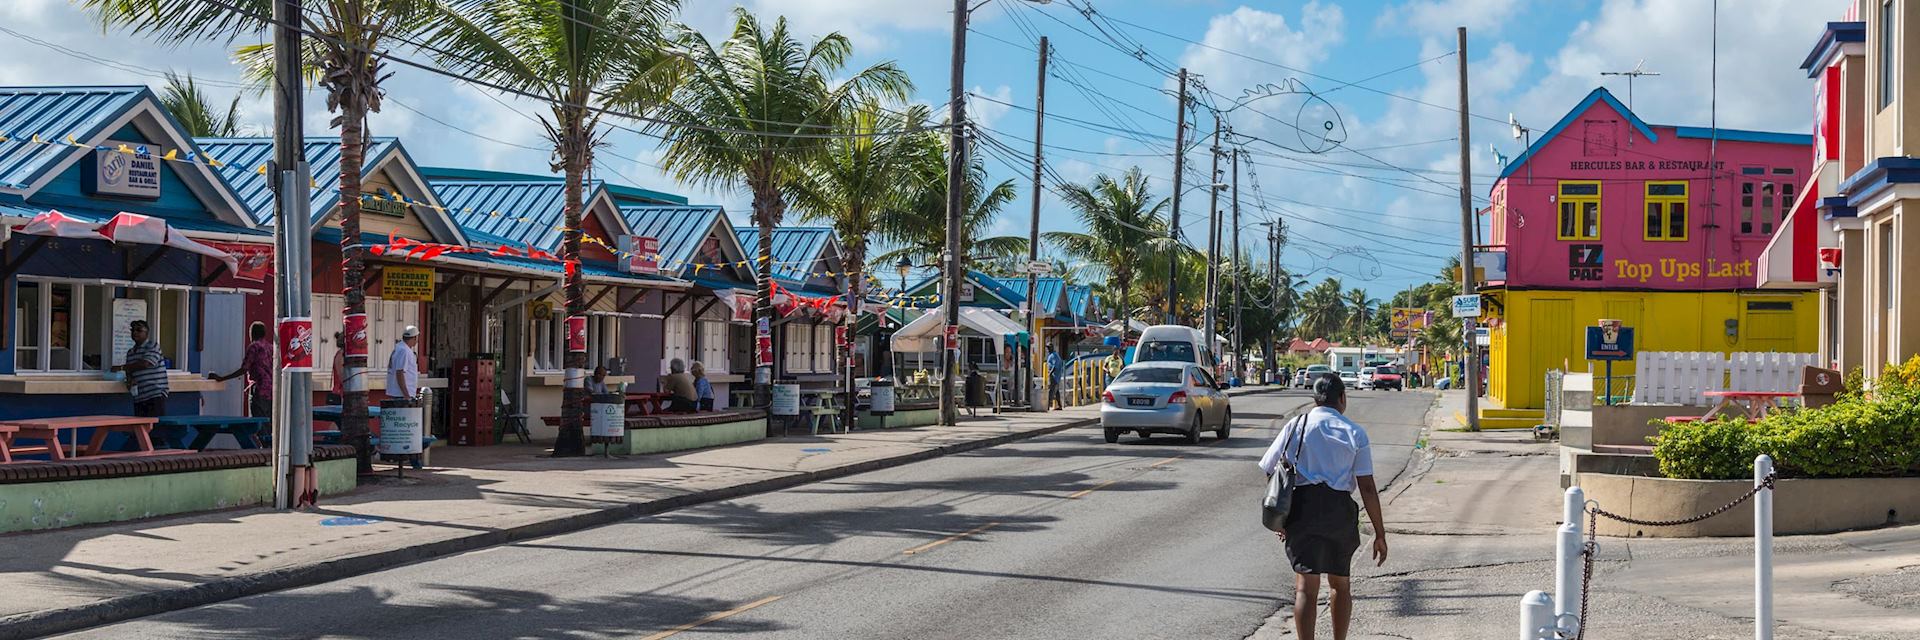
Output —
<point x="1038" y="268"/>
<point x="1466" y="306"/>
<point x="1610" y="343"/>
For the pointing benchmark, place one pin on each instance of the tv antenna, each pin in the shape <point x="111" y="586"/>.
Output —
<point x="1639" y="69"/>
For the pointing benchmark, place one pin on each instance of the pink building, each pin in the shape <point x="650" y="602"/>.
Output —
<point x="1661" y="227"/>
<point x="1604" y="200"/>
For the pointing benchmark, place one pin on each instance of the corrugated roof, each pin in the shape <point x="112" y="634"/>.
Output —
<point x="680" y="229"/>
<point x="243" y="157"/>
<point x="1047" y="288"/>
<point x="53" y="114"/>
<point x="525" y="213"/>
<point x="1079" y="300"/>
<point x="795" y="250"/>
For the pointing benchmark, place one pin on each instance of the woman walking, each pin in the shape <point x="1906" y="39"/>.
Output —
<point x="1331" y="457"/>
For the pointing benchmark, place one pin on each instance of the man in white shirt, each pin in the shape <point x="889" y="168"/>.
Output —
<point x="403" y="369"/>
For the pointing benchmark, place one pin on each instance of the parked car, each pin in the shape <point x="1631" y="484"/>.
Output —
<point x="1304" y="377"/>
<point x="1381" y="377"/>
<point x="1351" y="378"/>
<point x="1165" y="397"/>
<point x="1364" y="380"/>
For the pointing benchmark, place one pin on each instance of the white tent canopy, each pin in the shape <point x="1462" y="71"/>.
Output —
<point x="1134" y="327"/>
<point x="920" y="334"/>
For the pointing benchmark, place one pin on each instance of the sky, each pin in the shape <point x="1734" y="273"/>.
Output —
<point x="1345" y="109"/>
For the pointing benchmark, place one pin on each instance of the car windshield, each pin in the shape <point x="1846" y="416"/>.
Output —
<point x="1384" y="370"/>
<point x="1148" y="374"/>
<point x="1166" y="352"/>
<point x="1317" y="368"/>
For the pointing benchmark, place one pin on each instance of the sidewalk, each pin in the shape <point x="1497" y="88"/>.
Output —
<point x="471" y="498"/>
<point x="1477" y="483"/>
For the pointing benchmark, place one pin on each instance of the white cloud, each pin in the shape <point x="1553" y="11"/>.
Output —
<point x="987" y="113"/>
<point x="1264" y="35"/>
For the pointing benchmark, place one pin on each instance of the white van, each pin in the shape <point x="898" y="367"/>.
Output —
<point x="1175" y="343"/>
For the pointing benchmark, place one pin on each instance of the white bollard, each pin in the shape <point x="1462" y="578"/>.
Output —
<point x="1567" y="555"/>
<point x="1762" y="551"/>
<point x="1536" y="616"/>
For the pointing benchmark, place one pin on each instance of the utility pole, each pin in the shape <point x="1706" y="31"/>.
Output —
<point x="1211" y="300"/>
<point x="294" y="482"/>
<point x="956" y="188"/>
<point x="1173" y="227"/>
<point x="1273" y="288"/>
<point x="1472" y="373"/>
<point x="1239" y="352"/>
<point x="1036" y="351"/>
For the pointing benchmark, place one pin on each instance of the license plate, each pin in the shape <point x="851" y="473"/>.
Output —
<point x="1139" y="402"/>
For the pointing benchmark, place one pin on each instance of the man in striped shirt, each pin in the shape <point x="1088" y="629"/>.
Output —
<point x="146" y="372"/>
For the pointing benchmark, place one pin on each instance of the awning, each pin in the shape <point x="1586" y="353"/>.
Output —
<point x="919" y="335"/>
<point x="1791" y="258"/>
<point x="1133" y="327"/>
<point x="124" y="228"/>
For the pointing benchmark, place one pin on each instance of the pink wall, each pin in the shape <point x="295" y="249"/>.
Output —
<point x="1601" y="143"/>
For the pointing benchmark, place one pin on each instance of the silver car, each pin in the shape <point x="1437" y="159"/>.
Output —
<point x="1165" y="397"/>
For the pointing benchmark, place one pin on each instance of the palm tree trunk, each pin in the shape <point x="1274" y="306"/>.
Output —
<point x="574" y="146"/>
<point x="353" y="268"/>
<point x="767" y="209"/>
<point x="856" y="269"/>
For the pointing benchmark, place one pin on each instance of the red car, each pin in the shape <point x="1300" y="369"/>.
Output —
<point x="1381" y="377"/>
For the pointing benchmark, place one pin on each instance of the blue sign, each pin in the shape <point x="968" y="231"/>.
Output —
<point x="1604" y="343"/>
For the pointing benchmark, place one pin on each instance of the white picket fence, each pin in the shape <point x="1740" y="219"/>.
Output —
<point x="1681" y="377"/>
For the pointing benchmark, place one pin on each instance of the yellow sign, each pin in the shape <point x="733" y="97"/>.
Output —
<point x="542" y="309"/>
<point x="407" y="283"/>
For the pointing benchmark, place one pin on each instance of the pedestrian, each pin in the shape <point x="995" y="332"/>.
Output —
<point x="702" y="387"/>
<point x="1331" y="457"/>
<point x="257" y="366"/>
<point x="681" y="396"/>
<point x="597" y="384"/>
<point x="403" y="368"/>
<point x="340" y="371"/>
<point x="146" y="370"/>
<point x="1056" y="368"/>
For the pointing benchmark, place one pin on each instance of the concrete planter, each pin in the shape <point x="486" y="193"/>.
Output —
<point x="900" y="419"/>
<point x="36" y="496"/>
<point x="1801" y="506"/>
<point x="691" y="431"/>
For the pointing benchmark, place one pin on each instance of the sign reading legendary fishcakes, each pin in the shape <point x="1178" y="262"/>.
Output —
<point x="1642" y="165"/>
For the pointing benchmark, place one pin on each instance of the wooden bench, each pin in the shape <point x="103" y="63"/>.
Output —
<point x="6" y="442"/>
<point x="48" y="430"/>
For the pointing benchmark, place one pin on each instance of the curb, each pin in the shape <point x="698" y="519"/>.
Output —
<point x="124" y="608"/>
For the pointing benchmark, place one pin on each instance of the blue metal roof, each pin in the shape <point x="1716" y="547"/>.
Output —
<point x="243" y="158"/>
<point x="1743" y="135"/>
<point x="795" y="252"/>
<point x="1047" y="288"/>
<point x="680" y="229"/>
<point x="1079" y="300"/>
<point x="1599" y="94"/>
<point x="524" y="213"/>
<point x="54" y="114"/>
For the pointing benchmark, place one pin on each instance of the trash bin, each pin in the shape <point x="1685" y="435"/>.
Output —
<point x="402" y="427"/>
<point x="881" y="401"/>
<point x="1041" y="401"/>
<point x="976" y="389"/>
<point x="608" y="415"/>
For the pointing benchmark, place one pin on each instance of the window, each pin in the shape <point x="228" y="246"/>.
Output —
<point x="797" y="350"/>
<point x="1165" y="351"/>
<point x="713" y="346"/>
<point x="68" y="327"/>
<point x="1148" y="374"/>
<point x="1666" y="211"/>
<point x="1770" y="305"/>
<point x="679" y="340"/>
<point x="1579" y="210"/>
<point x="1887" y="34"/>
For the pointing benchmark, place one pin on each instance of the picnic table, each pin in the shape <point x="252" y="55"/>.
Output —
<point x="6" y="442"/>
<point x="647" y="403"/>
<point x="49" y="430"/>
<point x="243" y="429"/>
<point x="1752" y="405"/>
<point x="332" y="412"/>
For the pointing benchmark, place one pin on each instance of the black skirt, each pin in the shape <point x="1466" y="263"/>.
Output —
<point x="1323" y="530"/>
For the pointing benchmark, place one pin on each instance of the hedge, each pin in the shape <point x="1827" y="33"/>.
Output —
<point x="1862" y="434"/>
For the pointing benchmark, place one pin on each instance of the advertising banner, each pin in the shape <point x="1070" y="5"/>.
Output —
<point x="407" y="283"/>
<point x="296" y="345"/>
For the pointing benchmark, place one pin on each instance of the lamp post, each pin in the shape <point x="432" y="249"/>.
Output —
<point x="902" y="267"/>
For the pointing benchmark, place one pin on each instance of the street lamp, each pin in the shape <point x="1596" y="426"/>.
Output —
<point x="902" y="267"/>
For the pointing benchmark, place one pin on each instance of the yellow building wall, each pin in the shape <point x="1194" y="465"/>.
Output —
<point x="1542" y="330"/>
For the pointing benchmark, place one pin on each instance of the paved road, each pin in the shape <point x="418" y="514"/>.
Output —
<point x="1062" y="536"/>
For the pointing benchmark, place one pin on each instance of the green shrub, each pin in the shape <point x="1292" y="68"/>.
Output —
<point x="1707" y="450"/>
<point x="1862" y="434"/>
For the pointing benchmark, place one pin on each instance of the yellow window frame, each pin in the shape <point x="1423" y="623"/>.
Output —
<point x="1666" y="212"/>
<point x="1577" y="200"/>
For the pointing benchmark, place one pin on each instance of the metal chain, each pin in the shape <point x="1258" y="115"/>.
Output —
<point x="1592" y="546"/>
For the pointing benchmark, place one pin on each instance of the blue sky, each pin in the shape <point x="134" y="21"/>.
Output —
<point x="1376" y="210"/>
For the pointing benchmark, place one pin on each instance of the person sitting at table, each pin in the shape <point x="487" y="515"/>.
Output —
<point x="679" y="387"/>
<point x="146" y="370"/>
<point x="702" y="388"/>
<point x="597" y="384"/>
<point x="257" y="365"/>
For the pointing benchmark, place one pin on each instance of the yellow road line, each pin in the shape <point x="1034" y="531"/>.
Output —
<point x="950" y="538"/>
<point x="1076" y="495"/>
<point x="714" y="618"/>
<point x="1156" y="464"/>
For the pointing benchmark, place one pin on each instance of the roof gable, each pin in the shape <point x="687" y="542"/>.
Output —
<point x="46" y="131"/>
<point x="1599" y="95"/>
<point x="243" y="161"/>
<point x="683" y="230"/>
<point x="795" y="250"/>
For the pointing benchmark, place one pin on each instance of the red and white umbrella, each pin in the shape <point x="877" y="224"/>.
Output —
<point x="122" y="229"/>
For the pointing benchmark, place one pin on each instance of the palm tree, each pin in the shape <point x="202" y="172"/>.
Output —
<point x="1322" y="309"/>
<point x="183" y="98"/>
<point x="1360" y="312"/>
<point x="748" y="112"/>
<point x="581" y="57"/>
<point x="856" y="181"/>
<point x="920" y="229"/>
<point x="1122" y="218"/>
<point x="345" y="39"/>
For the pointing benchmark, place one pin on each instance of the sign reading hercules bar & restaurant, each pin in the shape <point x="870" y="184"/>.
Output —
<point x="124" y="169"/>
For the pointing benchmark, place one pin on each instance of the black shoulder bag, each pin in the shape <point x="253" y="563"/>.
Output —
<point x="1279" y="498"/>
